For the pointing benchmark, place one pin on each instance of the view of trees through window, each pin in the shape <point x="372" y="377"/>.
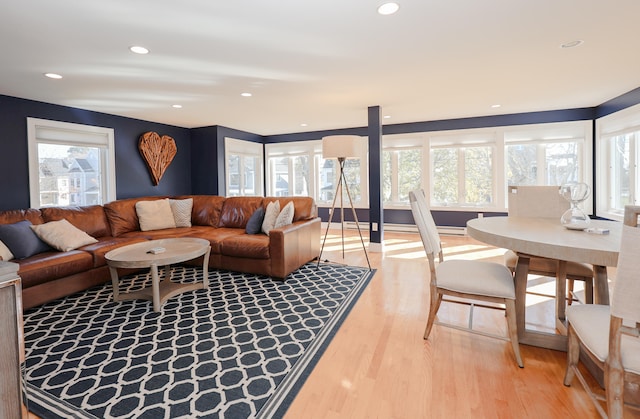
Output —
<point x="401" y="173"/>
<point x="458" y="169"/>
<point x="621" y="159"/>
<point x="540" y="163"/>
<point x="462" y="176"/>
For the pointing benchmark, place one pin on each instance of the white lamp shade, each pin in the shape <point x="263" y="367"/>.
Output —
<point x="342" y="146"/>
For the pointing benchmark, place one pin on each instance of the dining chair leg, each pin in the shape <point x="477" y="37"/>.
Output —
<point x="513" y="330"/>
<point x="436" y="299"/>
<point x="614" y="372"/>
<point x="573" y="355"/>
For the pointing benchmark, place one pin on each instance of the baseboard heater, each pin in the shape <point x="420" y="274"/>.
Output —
<point x="403" y="228"/>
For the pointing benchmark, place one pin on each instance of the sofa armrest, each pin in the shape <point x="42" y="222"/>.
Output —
<point x="293" y="245"/>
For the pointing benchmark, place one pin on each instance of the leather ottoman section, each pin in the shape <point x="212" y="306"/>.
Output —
<point x="206" y="209"/>
<point x="122" y="214"/>
<point x="48" y="266"/>
<point x="251" y="246"/>
<point x="58" y="288"/>
<point x="13" y="216"/>
<point x="216" y="236"/>
<point x="254" y="266"/>
<point x="237" y="210"/>
<point x="92" y="219"/>
<point x="105" y="244"/>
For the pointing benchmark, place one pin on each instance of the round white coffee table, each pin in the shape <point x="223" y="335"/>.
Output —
<point x="138" y="256"/>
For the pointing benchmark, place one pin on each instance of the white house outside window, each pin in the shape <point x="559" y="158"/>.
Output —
<point x="70" y="164"/>
<point x="243" y="167"/>
<point x="298" y="169"/>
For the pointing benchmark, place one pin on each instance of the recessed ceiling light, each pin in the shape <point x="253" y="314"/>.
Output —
<point x="176" y="106"/>
<point x="495" y="106"/>
<point x="572" y="44"/>
<point x="388" y="8"/>
<point x="53" y="75"/>
<point x="303" y="124"/>
<point x="246" y="94"/>
<point x="387" y="116"/>
<point x="138" y="49"/>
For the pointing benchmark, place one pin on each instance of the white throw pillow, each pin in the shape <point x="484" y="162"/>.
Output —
<point x="62" y="235"/>
<point x="286" y="216"/>
<point x="270" y="215"/>
<point x="181" y="209"/>
<point x="5" y="253"/>
<point x="155" y="215"/>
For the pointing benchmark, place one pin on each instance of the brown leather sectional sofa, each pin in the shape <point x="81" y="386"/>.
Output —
<point x="51" y="275"/>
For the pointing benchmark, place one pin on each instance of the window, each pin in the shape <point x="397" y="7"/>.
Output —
<point x="244" y="167"/>
<point x="472" y="168"/>
<point x="401" y="173"/>
<point x="298" y="169"/>
<point x="463" y="176"/>
<point x="617" y="165"/>
<point x="70" y="164"/>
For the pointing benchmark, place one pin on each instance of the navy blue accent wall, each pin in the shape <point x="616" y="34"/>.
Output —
<point x="376" y="212"/>
<point x="198" y="167"/>
<point x="207" y="157"/>
<point x="578" y="114"/>
<point x="132" y="176"/>
<point x="314" y="135"/>
<point x="205" y="161"/>
<point x="362" y="213"/>
<point x="617" y="104"/>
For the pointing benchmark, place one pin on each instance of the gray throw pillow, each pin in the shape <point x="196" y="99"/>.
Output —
<point x="21" y="240"/>
<point x="254" y="225"/>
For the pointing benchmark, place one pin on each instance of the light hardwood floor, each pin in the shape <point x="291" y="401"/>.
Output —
<point x="378" y="365"/>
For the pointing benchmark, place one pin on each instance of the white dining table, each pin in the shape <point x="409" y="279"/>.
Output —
<point x="546" y="237"/>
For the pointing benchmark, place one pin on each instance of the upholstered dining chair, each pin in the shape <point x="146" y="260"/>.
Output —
<point x="546" y="202"/>
<point x="471" y="279"/>
<point x="610" y="335"/>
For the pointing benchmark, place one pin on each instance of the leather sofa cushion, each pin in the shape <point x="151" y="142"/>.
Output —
<point x="216" y="236"/>
<point x="92" y="219"/>
<point x="13" y="216"/>
<point x="122" y="214"/>
<point x="254" y="246"/>
<point x="237" y="210"/>
<point x="206" y="209"/>
<point x="106" y="244"/>
<point x="45" y="267"/>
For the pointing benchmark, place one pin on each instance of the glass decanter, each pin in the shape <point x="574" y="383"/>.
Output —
<point x="574" y="218"/>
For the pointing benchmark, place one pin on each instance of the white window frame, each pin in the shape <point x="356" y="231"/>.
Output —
<point x="244" y="149"/>
<point x="626" y="121"/>
<point x="460" y="139"/>
<point x="313" y="150"/>
<point x="399" y="142"/>
<point x="498" y="138"/>
<point x="65" y="133"/>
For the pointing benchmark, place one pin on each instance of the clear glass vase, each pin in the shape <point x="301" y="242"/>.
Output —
<point x="574" y="218"/>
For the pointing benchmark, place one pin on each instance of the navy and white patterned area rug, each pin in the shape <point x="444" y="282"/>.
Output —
<point x="240" y="349"/>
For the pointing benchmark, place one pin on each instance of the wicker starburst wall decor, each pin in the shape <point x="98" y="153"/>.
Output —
<point x="158" y="152"/>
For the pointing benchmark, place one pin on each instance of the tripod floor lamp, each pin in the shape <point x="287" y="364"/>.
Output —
<point x="343" y="147"/>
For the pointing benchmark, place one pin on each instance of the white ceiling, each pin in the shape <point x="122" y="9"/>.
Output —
<point x="322" y="63"/>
